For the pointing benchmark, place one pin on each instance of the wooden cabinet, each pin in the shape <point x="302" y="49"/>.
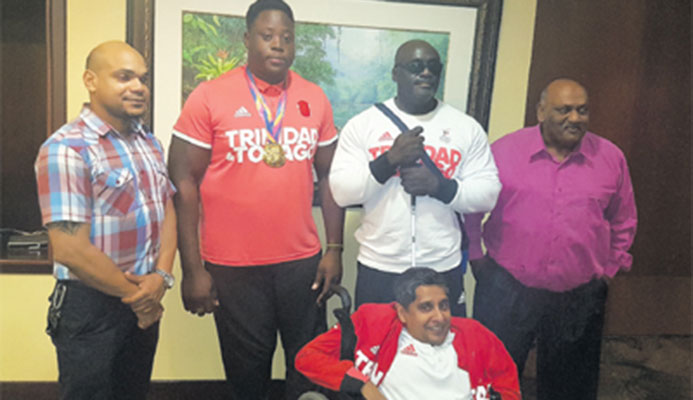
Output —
<point x="32" y="105"/>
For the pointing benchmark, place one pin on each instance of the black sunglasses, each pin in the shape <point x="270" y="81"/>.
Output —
<point x="417" y="66"/>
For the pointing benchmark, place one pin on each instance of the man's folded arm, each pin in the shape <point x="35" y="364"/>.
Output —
<point x="72" y="248"/>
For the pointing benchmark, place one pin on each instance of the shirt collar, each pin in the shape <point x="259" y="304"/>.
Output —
<point x="586" y="148"/>
<point x="447" y="342"/>
<point x="102" y="128"/>
<point x="267" y="89"/>
<point x="536" y="143"/>
<point x="537" y="147"/>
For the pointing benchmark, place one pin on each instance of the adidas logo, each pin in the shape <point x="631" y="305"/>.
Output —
<point x="445" y="137"/>
<point x="385" y="137"/>
<point x="461" y="299"/>
<point x="241" y="112"/>
<point x="409" y="350"/>
<point x="374" y="350"/>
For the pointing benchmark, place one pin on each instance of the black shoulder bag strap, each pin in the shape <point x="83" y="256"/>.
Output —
<point x="426" y="159"/>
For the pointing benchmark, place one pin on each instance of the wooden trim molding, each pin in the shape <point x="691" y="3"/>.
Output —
<point x="26" y="266"/>
<point x="158" y="390"/>
<point x="56" y="15"/>
<point x="140" y="35"/>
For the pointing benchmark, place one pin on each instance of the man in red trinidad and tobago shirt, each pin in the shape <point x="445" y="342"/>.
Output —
<point x="413" y="349"/>
<point x="241" y="158"/>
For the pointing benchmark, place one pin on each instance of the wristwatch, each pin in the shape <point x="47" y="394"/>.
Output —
<point x="169" y="280"/>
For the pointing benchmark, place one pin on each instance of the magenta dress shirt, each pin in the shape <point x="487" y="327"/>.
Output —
<point x="558" y="225"/>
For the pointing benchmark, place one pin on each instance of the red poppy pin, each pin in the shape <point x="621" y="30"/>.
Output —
<point x="304" y="108"/>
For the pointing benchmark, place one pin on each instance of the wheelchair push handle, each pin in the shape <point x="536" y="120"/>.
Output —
<point x="344" y="296"/>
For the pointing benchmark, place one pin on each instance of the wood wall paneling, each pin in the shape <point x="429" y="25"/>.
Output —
<point x="23" y="126"/>
<point x="634" y="58"/>
<point x="32" y="106"/>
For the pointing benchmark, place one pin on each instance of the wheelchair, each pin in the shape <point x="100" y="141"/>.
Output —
<point x="347" y="347"/>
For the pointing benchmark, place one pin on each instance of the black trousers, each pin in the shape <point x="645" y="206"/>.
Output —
<point x="567" y="327"/>
<point x="102" y="354"/>
<point x="254" y="303"/>
<point x="375" y="286"/>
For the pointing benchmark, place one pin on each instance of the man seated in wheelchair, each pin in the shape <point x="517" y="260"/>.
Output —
<point x="413" y="349"/>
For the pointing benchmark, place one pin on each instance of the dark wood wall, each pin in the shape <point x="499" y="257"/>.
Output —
<point x="23" y="109"/>
<point x="32" y="100"/>
<point x="634" y="58"/>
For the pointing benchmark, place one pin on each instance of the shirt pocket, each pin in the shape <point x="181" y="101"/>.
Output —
<point x="114" y="192"/>
<point x="592" y="204"/>
<point x="585" y="217"/>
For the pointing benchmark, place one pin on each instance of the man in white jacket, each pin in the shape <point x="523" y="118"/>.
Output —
<point x="413" y="178"/>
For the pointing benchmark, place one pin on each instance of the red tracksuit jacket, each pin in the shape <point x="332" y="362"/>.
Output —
<point x="479" y="352"/>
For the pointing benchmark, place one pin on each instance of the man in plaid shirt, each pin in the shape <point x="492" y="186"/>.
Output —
<point x="105" y="198"/>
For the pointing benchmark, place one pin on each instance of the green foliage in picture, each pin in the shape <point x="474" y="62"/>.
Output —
<point x="363" y="58"/>
<point x="208" y="50"/>
<point x="353" y="65"/>
<point x="311" y="56"/>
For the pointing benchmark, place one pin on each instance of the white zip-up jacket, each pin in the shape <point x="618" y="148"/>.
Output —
<point x="458" y="146"/>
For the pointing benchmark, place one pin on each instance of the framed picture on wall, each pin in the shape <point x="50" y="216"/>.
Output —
<point x="465" y="32"/>
<point x="354" y="76"/>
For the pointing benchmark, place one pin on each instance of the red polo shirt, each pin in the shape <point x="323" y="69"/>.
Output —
<point x="251" y="213"/>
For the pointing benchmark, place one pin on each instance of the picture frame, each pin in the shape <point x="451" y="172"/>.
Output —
<point x="480" y="65"/>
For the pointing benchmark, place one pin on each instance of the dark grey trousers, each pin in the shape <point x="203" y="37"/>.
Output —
<point x="254" y="303"/>
<point x="102" y="354"/>
<point x="567" y="327"/>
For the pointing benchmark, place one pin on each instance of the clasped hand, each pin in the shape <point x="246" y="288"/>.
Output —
<point x="146" y="302"/>
<point x="418" y="180"/>
<point x="407" y="149"/>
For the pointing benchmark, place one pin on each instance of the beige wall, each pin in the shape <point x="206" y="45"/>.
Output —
<point x="89" y="22"/>
<point x="512" y="67"/>
<point x="188" y="347"/>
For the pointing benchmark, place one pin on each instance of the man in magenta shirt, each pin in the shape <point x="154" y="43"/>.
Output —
<point x="560" y="231"/>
